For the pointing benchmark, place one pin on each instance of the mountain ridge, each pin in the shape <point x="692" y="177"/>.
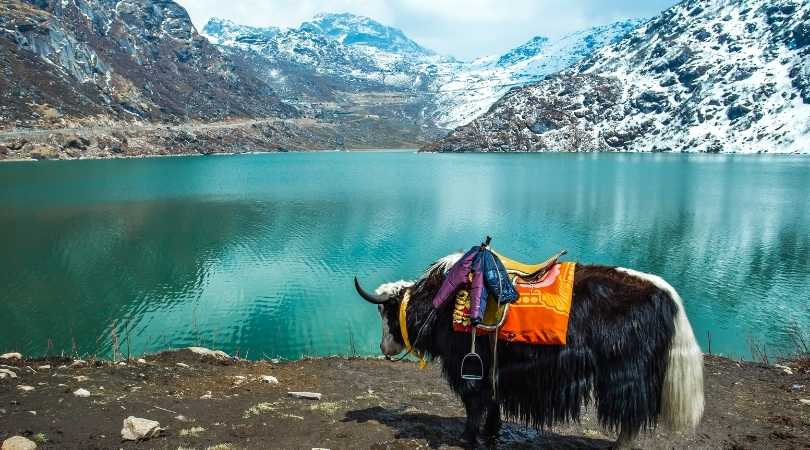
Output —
<point x="702" y="76"/>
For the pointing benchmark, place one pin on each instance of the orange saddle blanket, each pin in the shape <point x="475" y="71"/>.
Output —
<point x="539" y="316"/>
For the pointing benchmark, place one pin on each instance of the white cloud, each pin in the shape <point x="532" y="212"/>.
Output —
<point x="462" y="28"/>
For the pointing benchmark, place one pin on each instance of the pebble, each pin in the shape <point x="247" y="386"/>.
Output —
<point x="44" y="367"/>
<point x="122" y="364"/>
<point x="305" y="395"/>
<point x="11" y="356"/>
<point x="269" y="379"/>
<point x="797" y="387"/>
<point x="206" y="396"/>
<point x="18" y="443"/>
<point x="183" y="365"/>
<point x="33" y="413"/>
<point x="81" y="392"/>
<point x="78" y="363"/>
<point x="141" y="361"/>
<point x="25" y="388"/>
<point x="80" y="378"/>
<point x="804" y="401"/>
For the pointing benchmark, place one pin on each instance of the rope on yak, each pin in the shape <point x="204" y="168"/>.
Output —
<point x="403" y="327"/>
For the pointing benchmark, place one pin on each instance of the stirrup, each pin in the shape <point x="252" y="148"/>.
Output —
<point x="472" y="366"/>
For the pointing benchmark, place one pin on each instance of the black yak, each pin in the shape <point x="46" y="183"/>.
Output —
<point x="631" y="353"/>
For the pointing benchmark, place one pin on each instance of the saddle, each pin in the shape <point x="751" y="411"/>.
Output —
<point x="495" y="313"/>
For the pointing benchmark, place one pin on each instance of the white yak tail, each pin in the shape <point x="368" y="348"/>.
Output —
<point x="682" y="400"/>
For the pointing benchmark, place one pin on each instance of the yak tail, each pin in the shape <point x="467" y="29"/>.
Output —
<point x="682" y="392"/>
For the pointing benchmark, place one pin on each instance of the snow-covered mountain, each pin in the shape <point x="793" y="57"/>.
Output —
<point x="705" y="75"/>
<point x="464" y="91"/>
<point x="349" y="53"/>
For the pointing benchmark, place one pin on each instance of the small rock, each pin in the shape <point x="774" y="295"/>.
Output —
<point x="137" y="429"/>
<point x="81" y="378"/>
<point x="44" y="367"/>
<point x="269" y="379"/>
<point x="6" y="373"/>
<point x="33" y="413"/>
<point x="18" y="443"/>
<point x="183" y="365"/>
<point x="11" y="356"/>
<point x="25" y="388"/>
<point x="305" y="395"/>
<point x="122" y="364"/>
<point x="206" y="396"/>
<point x="218" y="354"/>
<point x="181" y="418"/>
<point x="275" y="360"/>
<point x="797" y="387"/>
<point x="78" y="363"/>
<point x="785" y="369"/>
<point x="81" y="392"/>
<point x="141" y="361"/>
<point x="804" y="401"/>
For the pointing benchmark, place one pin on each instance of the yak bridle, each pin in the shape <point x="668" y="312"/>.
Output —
<point x="403" y="322"/>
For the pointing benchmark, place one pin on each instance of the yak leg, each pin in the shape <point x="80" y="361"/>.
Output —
<point x="474" y="407"/>
<point x="626" y="439"/>
<point x="492" y="426"/>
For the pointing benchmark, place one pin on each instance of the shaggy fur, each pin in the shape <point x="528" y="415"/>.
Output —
<point x="630" y="350"/>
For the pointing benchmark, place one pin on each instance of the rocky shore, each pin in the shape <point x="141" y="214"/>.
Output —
<point x="120" y="140"/>
<point x="202" y="399"/>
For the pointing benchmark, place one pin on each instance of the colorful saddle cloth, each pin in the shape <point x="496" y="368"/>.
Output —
<point x="540" y="315"/>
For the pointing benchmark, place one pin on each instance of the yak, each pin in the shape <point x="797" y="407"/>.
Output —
<point x="630" y="353"/>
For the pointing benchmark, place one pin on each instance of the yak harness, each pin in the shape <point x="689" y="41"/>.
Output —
<point x="540" y="315"/>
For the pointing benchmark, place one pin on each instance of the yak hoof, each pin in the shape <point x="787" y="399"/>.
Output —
<point x="468" y="439"/>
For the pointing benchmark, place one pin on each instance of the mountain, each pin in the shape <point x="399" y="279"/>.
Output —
<point x="708" y="76"/>
<point x="465" y="91"/>
<point x="349" y="29"/>
<point x="342" y="63"/>
<point x="91" y="60"/>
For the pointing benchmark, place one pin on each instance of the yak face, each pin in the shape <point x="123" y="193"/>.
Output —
<point x="391" y="343"/>
<point x="388" y="298"/>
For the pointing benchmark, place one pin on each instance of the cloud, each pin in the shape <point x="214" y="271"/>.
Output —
<point x="465" y="29"/>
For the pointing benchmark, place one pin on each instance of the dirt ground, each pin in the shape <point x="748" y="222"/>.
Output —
<point x="366" y="403"/>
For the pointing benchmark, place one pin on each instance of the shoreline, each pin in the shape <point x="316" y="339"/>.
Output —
<point x="207" y="400"/>
<point x="147" y="155"/>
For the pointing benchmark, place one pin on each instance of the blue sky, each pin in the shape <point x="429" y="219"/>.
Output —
<point x="465" y="29"/>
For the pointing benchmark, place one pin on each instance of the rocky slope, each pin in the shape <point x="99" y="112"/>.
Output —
<point x="705" y="75"/>
<point x="118" y="60"/>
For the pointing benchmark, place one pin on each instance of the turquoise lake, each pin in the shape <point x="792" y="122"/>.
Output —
<point x="255" y="254"/>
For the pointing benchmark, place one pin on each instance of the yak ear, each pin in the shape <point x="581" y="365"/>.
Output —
<point x="371" y="298"/>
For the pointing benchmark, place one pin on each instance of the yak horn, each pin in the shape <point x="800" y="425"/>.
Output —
<point x="371" y="298"/>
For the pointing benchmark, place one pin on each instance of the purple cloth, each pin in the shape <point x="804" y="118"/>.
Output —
<point x="478" y="292"/>
<point x="457" y="277"/>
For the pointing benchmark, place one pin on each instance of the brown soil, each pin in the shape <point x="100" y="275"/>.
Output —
<point x="367" y="403"/>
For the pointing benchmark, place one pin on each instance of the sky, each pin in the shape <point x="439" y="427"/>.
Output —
<point x="465" y="29"/>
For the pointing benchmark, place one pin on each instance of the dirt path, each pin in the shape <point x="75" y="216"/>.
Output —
<point x="366" y="404"/>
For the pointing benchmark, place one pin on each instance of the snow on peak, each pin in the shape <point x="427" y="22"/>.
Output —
<point x="226" y="32"/>
<point x="350" y="29"/>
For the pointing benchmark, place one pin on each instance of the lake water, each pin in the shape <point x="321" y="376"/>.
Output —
<point x="255" y="254"/>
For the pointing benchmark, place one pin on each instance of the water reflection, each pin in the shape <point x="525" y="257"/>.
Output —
<point x="256" y="253"/>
